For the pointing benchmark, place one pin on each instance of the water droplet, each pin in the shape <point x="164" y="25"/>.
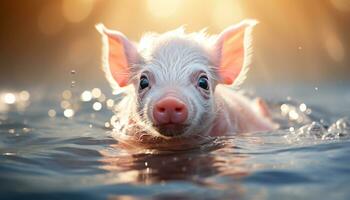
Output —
<point x="316" y="129"/>
<point x="302" y="107"/>
<point x="284" y="109"/>
<point x="90" y="125"/>
<point x="293" y="115"/>
<point x="146" y="164"/>
<point x="300" y="48"/>
<point x="73" y="72"/>
<point x="339" y="129"/>
<point x="72" y="84"/>
<point x="316" y="88"/>
<point x="11" y="130"/>
<point x="26" y="130"/>
<point x="308" y="111"/>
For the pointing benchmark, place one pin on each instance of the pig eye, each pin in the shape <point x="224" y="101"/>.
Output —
<point x="144" y="82"/>
<point x="203" y="82"/>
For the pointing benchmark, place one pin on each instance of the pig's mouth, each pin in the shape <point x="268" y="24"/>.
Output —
<point x="171" y="129"/>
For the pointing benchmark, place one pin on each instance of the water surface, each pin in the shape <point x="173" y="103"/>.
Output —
<point x="60" y="146"/>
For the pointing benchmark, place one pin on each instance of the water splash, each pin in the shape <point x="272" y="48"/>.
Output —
<point x="318" y="131"/>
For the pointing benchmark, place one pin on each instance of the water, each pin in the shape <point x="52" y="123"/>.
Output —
<point x="58" y="145"/>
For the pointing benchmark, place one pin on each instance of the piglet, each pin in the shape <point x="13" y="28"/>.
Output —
<point x="179" y="84"/>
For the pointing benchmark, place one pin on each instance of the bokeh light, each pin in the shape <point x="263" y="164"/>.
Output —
<point x="67" y="94"/>
<point x="96" y="93"/>
<point x="24" y="95"/>
<point x="77" y="10"/>
<point x="9" y="98"/>
<point x="69" y="113"/>
<point x="97" y="106"/>
<point x="51" y="113"/>
<point x="86" y="96"/>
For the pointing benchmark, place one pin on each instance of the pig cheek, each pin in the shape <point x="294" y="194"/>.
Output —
<point x="204" y="109"/>
<point x="143" y="104"/>
<point x="148" y="105"/>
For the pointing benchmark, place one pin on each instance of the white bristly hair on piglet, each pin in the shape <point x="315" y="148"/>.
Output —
<point x="168" y="81"/>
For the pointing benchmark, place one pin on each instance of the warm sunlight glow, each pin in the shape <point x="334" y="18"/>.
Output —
<point x="164" y="8"/>
<point x="50" y="20"/>
<point x="226" y="13"/>
<point x="334" y="47"/>
<point x="341" y="5"/>
<point x="77" y="10"/>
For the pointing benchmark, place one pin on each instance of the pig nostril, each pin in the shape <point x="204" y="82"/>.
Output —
<point x="170" y="111"/>
<point x="178" y="109"/>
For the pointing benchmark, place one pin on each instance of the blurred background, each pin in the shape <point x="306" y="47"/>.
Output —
<point x="297" y="41"/>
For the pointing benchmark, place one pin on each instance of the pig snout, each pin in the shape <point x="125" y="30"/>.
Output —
<point x="170" y="110"/>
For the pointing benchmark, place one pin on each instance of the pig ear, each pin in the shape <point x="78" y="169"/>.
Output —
<point x="118" y="55"/>
<point x="233" y="48"/>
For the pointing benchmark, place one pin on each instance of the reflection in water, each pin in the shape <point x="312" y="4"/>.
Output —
<point x="197" y="166"/>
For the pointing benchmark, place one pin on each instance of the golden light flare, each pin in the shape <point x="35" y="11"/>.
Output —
<point x="77" y="10"/>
